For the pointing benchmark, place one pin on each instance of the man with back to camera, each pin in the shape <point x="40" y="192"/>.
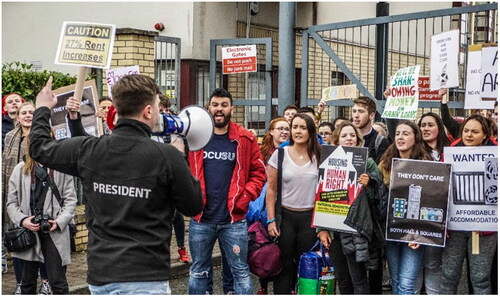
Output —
<point x="363" y="113"/>
<point x="232" y="173"/>
<point x="132" y="185"/>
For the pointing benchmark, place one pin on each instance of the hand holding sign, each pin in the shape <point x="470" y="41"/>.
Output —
<point x="46" y="97"/>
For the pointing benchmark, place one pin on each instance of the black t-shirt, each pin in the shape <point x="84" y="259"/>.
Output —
<point x="219" y="158"/>
<point x="369" y="142"/>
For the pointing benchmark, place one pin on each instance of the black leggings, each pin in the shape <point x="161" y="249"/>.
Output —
<point x="55" y="270"/>
<point x="296" y="237"/>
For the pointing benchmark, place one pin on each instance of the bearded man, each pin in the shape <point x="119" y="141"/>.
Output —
<point x="231" y="173"/>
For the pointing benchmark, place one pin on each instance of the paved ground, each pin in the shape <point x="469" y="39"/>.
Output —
<point x="77" y="272"/>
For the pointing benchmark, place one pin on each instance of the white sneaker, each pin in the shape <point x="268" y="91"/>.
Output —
<point x="18" y="289"/>
<point x="45" y="288"/>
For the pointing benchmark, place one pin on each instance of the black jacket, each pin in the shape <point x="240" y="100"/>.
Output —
<point x="365" y="216"/>
<point x="132" y="185"/>
<point x="7" y="126"/>
<point x="369" y="142"/>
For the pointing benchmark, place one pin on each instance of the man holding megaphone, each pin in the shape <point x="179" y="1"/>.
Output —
<point x="131" y="184"/>
<point x="231" y="173"/>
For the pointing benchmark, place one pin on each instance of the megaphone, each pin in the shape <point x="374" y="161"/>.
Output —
<point x="193" y="122"/>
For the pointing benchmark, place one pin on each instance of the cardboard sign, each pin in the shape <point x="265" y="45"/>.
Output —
<point x="114" y="75"/>
<point x="444" y="60"/>
<point x="87" y="111"/>
<point x="489" y="73"/>
<point x="402" y="103"/>
<point x="238" y="59"/>
<point x="418" y="202"/>
<point x="424" y="91"/>
<point x="339" y="92"/>
<point x="339" y="169"/>
<point x="473" y="98"/>
<point x="469" y="208"/>
<point x="86" y="44"/>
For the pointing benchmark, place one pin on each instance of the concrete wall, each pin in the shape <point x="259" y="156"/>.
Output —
<point x="31" y="30"/>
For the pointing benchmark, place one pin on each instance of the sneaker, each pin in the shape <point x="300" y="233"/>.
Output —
<point x="230" y="293"/>
<point x="45" y="288"/>
<point x="18" y="289"/>
<point x="183" y="255"/>
<point x="261" y="291"/>
<point x="387" y="285"/>
<point x="4" y="268"/>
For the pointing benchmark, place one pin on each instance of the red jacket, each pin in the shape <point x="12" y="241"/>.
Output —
<point x="249" y="173"/>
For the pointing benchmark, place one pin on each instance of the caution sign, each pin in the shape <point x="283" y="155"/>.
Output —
<point x="85" y="44"/>
<point x="238" y="59"/>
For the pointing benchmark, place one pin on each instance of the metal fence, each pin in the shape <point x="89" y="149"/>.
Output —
<point x="367" y="52"/>
<point x="251" y="91"/>
<point x="167" y="65"/>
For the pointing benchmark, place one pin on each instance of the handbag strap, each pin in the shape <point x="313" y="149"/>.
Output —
<point x="47" y="182"/>
<point x="281" y="156"/>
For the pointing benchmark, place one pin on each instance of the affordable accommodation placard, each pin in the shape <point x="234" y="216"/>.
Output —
<point x="402" y="103"/>
<point x="418" y="201"/>
<point x="86" y="44"/>
<point x="339" y="169"/>
<point x="471" y="206"/>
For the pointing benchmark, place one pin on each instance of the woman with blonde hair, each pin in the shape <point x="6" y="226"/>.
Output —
<point x="27" y="185"/>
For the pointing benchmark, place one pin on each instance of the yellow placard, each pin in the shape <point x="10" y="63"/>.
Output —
<point x="339" y="92"/>
<point x="332" y="208"/>
<point x="86" y="44"/>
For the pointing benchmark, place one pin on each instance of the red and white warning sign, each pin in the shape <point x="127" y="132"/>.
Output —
<point x="237" y="59"/>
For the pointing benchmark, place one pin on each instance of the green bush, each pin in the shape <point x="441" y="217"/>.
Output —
<point x="18" y="78"/>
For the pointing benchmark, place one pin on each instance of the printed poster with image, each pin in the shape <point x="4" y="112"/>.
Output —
<point x="402" y="103"/>
<point x="339" y="169"/>
<point x="473" y="203"/>
<point x="87" y="111"/>
<point x="418" y="201"/>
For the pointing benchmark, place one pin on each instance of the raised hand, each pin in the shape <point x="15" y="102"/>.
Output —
<point x="46" y="97"/>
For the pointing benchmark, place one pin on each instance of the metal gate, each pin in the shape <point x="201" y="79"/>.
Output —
<point x="251" y="91"/>
<point x="355" y="52"/>
<point x="167" y="67"/>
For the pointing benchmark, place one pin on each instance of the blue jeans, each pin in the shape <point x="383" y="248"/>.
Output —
<point x="233" y="239"/>
<point x="132" y="288"/>
<point x="404" y="266"/>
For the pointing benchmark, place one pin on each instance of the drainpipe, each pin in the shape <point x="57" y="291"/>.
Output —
<point x="286" y="73"/>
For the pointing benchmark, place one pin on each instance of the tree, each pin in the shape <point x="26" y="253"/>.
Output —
<point x="19" y="78"/>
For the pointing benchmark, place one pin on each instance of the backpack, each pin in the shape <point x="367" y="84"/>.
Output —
<point x="378" y="141"/>
<point x="264" y="255"/>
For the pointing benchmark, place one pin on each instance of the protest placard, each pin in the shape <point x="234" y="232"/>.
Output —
<point x="473" y="98"/>
<point x="491" y="180"/>
<point x="444" y="60"/>
<point x="469" y="209"/>
<point x="114" y="75"/>
<point x="86" y="44"/>
<point x="339" y="92"/>
<point x="489" y="73"/>
<point x="424" y="91"/>
<point x="418" y="201"/>
<point x="87" y="110"/>
<point x="402" y="103"/>
<point x="339" y="169"/>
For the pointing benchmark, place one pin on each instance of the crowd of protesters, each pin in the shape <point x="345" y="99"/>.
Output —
<point x="129" y="238"/>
